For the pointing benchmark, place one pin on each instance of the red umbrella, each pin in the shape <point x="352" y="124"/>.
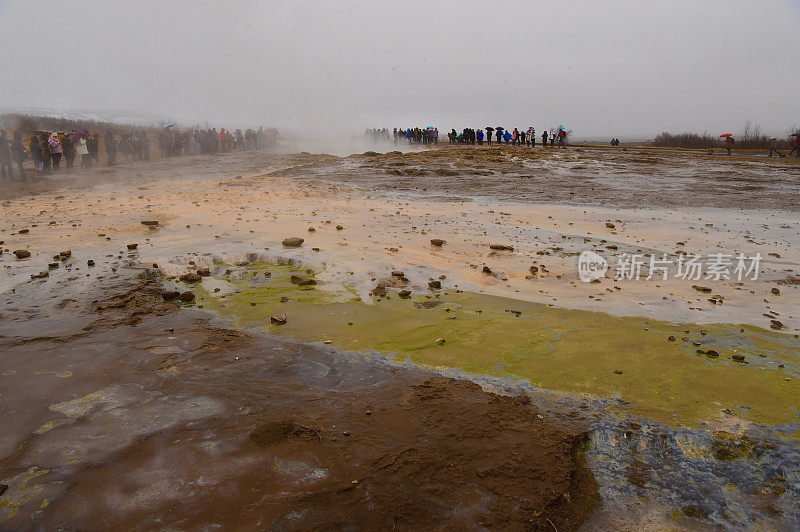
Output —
<point x="724" y="135"/>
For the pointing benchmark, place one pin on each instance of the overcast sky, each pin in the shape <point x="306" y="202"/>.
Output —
<point x="600" y="67"/>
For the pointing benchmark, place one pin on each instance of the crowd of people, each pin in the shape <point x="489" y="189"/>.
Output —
<point x="515" y="137"/>
<point x="412" y="135"/>
<point x="56" y="151"/>
<point x="172" y="142"/>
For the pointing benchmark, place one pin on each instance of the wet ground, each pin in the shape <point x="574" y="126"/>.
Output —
<point x="506" y="398"/>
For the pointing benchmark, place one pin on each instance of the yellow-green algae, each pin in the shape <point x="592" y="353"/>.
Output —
<point x="559" y="349"/>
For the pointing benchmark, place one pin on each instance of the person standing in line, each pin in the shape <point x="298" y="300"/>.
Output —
<point x="82" y="150"/>
<point x="55" y="150"/>
<point x="69" y="150"/>
<point x="532" y="136"/>
<point x="6" y="168"/>
<point x="552" y="137"/>
<point x="46" y="160"/>
<point x="522" y="139"/>
<point x="514" y="137"/>
<point x="111" y="148"/>
<point x="479" y="133"/>
<point x="93" y="145"/>
<point x="18" y="153"/>
<point x="36" y="153"/>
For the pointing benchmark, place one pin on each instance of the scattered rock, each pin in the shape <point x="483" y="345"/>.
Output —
<point x="776" y="255"/>
<point x="775" y="291"/>
<point x="487" y="270"/>
<point x="671" y="339"/>
<point x="428" y="303"/>
<point x="278" y="319"/>
<point x="618" y="372"/>
<point x="775" y="324"/>
<point x="90" y="263"/>
<point x="437" y="242"/>
<point x="405" y="293"/>
<point x="435" y="285"/>
<point x="610" y="225"/>
<point x="186" y="296"/>
<point x="440" y="341"/>
<point x="132" y="246"/>
<point x="150" y="223"/>
<point x="534" y="270"/>
<point x="704" y="289"/>
<point x="203" y="272"/>
<point x="311" y="229"/>
<point x="170" y="295"/>
<point x="339" y="227"/>
<point x="397" y="273"/>
<point x="501" y="247"/>
<point x="191" y="277"/>
<point x="737" y="358"/>
<point x="22" y="253"/>
<point x="24" y="231"/>
<point x="303" y="280"/>
<point x="293" y="242"/>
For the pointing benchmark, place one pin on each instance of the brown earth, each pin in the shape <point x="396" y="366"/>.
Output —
<point x="187" y="424"/>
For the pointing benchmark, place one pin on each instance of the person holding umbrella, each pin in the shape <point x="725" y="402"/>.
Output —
<point x="489" y="135"/>
<point x="544" y="138"/>
<point x="795" y="144"/>
<point x="498" y="131"/>
<point x="728" y="141"/>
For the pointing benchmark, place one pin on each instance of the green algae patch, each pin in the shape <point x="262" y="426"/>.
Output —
<point x="655" y="366"/>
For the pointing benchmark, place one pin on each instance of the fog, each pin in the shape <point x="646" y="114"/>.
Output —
<point x="610" y="68"/>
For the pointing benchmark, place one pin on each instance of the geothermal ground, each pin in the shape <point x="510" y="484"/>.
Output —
<point x="426" y="357"/>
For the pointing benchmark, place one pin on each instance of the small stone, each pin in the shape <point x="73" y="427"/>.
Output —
<point x="671" y="339"/>
<point x="610" y="225"/>
<point x="704" y="289"/>
<point x="191" y="277"/>
<point x="487" y="270"/>
<point x="293" y="242"/>
<point x="775" y="324"/>
<point x="440" y="341"/>
<point x="501" y="247"/>
<point x="534" y="270"/>
<point x="737" y="358"/>
<point x="203" y="272"/>
<point x="132" y="246"/>
<point x="339" y="227"/>
<point x="435" y="285"/>
<point x="618" y="372"/>
<point x="397" y="273"/>
<point x="405" y="293"/>
<point x="278" y="319"/>
<point x="52" y="266"/>
<point x="90" y="263"/>
<point x="22" y="253"/>
<point x="303" y="280"/>
<point x="437" y="242"/>
<point x="150" y="223"/>
<point x="284" y="299"/>
<point x="65" y="254"/>
<point x="311" y="229"/>
<point x="775" y="291"/>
